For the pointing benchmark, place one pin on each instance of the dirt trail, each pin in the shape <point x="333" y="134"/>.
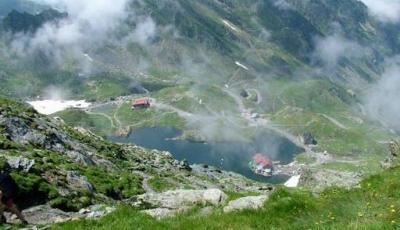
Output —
<point x="145" y="183"/>
<point x="116" y="114"/>
<point x="264" y="122"/>
<point x="104" y="115"/>
<point x="334" y="121"/>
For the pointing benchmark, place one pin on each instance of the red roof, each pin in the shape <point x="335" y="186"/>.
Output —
<point x="263" y="160"/>
<point x="141" y="101"/>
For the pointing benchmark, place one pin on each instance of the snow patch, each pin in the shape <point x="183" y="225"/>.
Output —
<point x="293" y="182"/>
<point x="48" y="107"/>
<point x="241" y="65"/>
<point x="88" y="57"/>
<point x="230" y="25"/>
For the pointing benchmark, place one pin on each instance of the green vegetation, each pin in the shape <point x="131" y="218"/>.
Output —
<point x="160" y="184"/>
<point x="375" y="205"/>
<point x="94" y="122"/>
<point x="50" y="168"/>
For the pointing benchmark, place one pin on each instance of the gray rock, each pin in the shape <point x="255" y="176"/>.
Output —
<point x="250" y="202"/>
<point x="78" y="182"/>
<point x="214" y="196"/>
<point x="176" y="199"/>
<point x="206" y="211"/>
<point x="79" y="158"/>
<point x="20" y="163"/>
<point x="97" y="211"/>
<point x="44" y="214"/>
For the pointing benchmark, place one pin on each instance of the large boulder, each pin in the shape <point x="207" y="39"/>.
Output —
<point x="43" y="215"/>
<point x="78" y="182"/>
<point x="176" y="199"/>
<point x="250" y="202"/>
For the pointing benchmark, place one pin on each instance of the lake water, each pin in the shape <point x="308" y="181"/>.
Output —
<point x="229" y="156"/>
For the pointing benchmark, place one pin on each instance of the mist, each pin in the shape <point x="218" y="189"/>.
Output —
<point x="382" y="100"/>
<point x="90" y="24"/>
<point x="329" y="50"/>
<point x="384" y="10"/>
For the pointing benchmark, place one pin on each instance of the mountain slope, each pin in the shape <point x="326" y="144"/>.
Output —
<point x="71" y="169"/>
<point x="304" y="68"/>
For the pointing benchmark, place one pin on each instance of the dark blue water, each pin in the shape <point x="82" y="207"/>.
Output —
<point x="229" y="156"/>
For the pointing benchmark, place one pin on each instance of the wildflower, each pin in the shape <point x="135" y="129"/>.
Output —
<point x="393" y="210"/>
<point x="360" y="214"/>
<point x="392" y="206"/>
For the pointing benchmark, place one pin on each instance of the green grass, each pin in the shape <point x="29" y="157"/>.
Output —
<point x="96" y="123"/>
<point x="375" y="205"/>
<point x="342" y="166"/>
<point x="160" y="184"/>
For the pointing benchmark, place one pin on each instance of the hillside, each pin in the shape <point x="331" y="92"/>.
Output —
<point x="70" y="169"/>
<point x="310" y="85"/>
<point x="375" y="205"/>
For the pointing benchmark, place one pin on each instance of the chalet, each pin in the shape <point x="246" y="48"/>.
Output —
<point x="262" y="165"/>
<point x="141" y="103"/>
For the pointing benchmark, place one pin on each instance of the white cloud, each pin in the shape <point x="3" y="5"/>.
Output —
<point x="87" y="19"/>
<point x="332" y="48"/>
<point x="382" y="100"/>
<point x="283" y="5"/>
<point x="89" y="23"/>
<point x="385" y="10"/>
<point x="145" y="30"/>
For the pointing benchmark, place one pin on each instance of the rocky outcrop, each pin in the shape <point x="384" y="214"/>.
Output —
<point x="44" y="214"/>
<point x="309" y="139"/>
<point x="20" y="163"/>
<point x="319" y="179"/>
<point x="393" y="159"/>
<point x="172" y="202"/>
<point x="176" y="199"/>
<point x="249" y="202"/>
<point x="78" y="182"/>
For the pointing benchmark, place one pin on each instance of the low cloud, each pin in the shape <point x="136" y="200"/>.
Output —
<point x="54" y="93"/>
<point x="283" y="5"/>
<point x="144" y="32"/>
<point x="90" y="24"/>
<point x="382" y="100"/>
<point x="329" y="50"/>
<point x="384" y="10"/>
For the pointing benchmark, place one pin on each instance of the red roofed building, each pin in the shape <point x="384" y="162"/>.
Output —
<point x="262" y="160"/>
<point x="141" y="103"/>
<point x="262" y="164"/>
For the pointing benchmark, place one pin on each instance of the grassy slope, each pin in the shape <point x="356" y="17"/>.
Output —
<point x="375" y="205"/>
